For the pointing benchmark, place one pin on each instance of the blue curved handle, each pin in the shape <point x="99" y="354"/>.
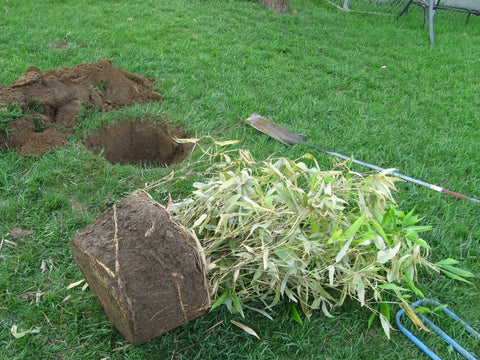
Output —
<point x="435" y="328"/>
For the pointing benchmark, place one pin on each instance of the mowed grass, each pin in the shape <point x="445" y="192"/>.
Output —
<point x="362" y="85"/>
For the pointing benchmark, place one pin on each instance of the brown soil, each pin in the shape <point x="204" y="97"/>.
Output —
<point x="137" y="142"/>
<point x="52" y="100"/>
<point x="146" y="269"/>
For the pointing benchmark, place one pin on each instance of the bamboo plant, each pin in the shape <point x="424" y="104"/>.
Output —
<point x="286" y="229"/>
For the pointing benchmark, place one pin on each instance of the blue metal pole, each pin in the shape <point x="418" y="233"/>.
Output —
<point x="435" y="328"/>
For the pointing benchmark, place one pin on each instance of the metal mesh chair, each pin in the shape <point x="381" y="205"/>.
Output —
<point x="466" y="6"/>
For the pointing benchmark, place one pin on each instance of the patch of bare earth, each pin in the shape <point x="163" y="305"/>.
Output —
<point x="52" y="99"/>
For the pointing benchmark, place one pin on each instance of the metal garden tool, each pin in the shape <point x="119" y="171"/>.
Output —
<point x="438" y="330"/>
<point x="290" y="138"/>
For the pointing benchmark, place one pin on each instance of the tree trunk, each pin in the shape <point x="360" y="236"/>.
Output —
<point x="279" y="6"/>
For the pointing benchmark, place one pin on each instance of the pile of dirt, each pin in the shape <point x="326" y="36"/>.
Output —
<point x="52" y="101"/>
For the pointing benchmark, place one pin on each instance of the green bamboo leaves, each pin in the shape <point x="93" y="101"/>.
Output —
<point x="280" y="228"/>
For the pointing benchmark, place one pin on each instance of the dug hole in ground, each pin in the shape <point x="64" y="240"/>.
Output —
<point x="145" y="269"/>
<point x="50" y="103"/>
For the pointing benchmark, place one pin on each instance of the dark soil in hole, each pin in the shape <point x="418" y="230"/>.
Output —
<point x="138" y="142"/>
<point x="52" y="101"/>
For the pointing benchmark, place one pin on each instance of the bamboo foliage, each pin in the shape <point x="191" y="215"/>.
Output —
<point x="282" y="229"/>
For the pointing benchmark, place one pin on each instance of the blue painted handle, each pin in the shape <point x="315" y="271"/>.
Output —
<point x="435" y="328"/>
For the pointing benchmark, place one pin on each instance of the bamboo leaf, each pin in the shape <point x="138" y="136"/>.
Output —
<point x="283" y="285"/>
<point x="199" y="221"/>
<point x="325" y="310"/>
<point x="447" y="268"/>
<point x="277" y="297"/>
<point x="453" y="276"/>
<point x="287" y="198"/>
<point x="380" y="241"/>
<point x="75" y="284"/>
<point x="186" y="141"/>
<point x="447" y="261"/>
<point x="413" y="316"/>
<point x="385" y="325"/>
<point x="237" y="304"/>
<point x="323" y="293"/>
<point x="19" y="334"/>
<point x="220" y="300"/>
<point x="260" y="311"/>
<point x="385" y="310"/>
<point x="265" y="259"/>
<point x="291" y="295"/>
<point x="293" y="313"/>
<point x="344" y="250"/>
<point x="227" y="142"/>
<point x="439" y="309"/>
<point x="422" y="310"/>
<point x="392" y="287"/>
<point x="236" y="273"/>
<point x="415" y="239"/>
<point x="352" y="230"/>
<point x="371" y="319"/>
<point x="316" y="303"/>
<point x="331" y="274"/>
<point x="409" y="281"/>
<point x="386" y="255"/>
<point x="457" y="271"/>
<point x="360" y="288"/>
<point x="245" y="328"/>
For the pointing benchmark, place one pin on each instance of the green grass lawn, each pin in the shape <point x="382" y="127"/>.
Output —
<point x="363" y="85"/>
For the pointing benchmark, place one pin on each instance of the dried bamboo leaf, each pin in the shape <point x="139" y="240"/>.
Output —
<point x="19" y="334"/>
<point x="245" y="328"/>
<point x="75" y="284"/>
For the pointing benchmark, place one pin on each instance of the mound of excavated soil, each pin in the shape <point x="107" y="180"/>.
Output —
<point x="52" y="100"/>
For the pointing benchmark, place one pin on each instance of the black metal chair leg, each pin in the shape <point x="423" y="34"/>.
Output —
<point x="405" y="9"/>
